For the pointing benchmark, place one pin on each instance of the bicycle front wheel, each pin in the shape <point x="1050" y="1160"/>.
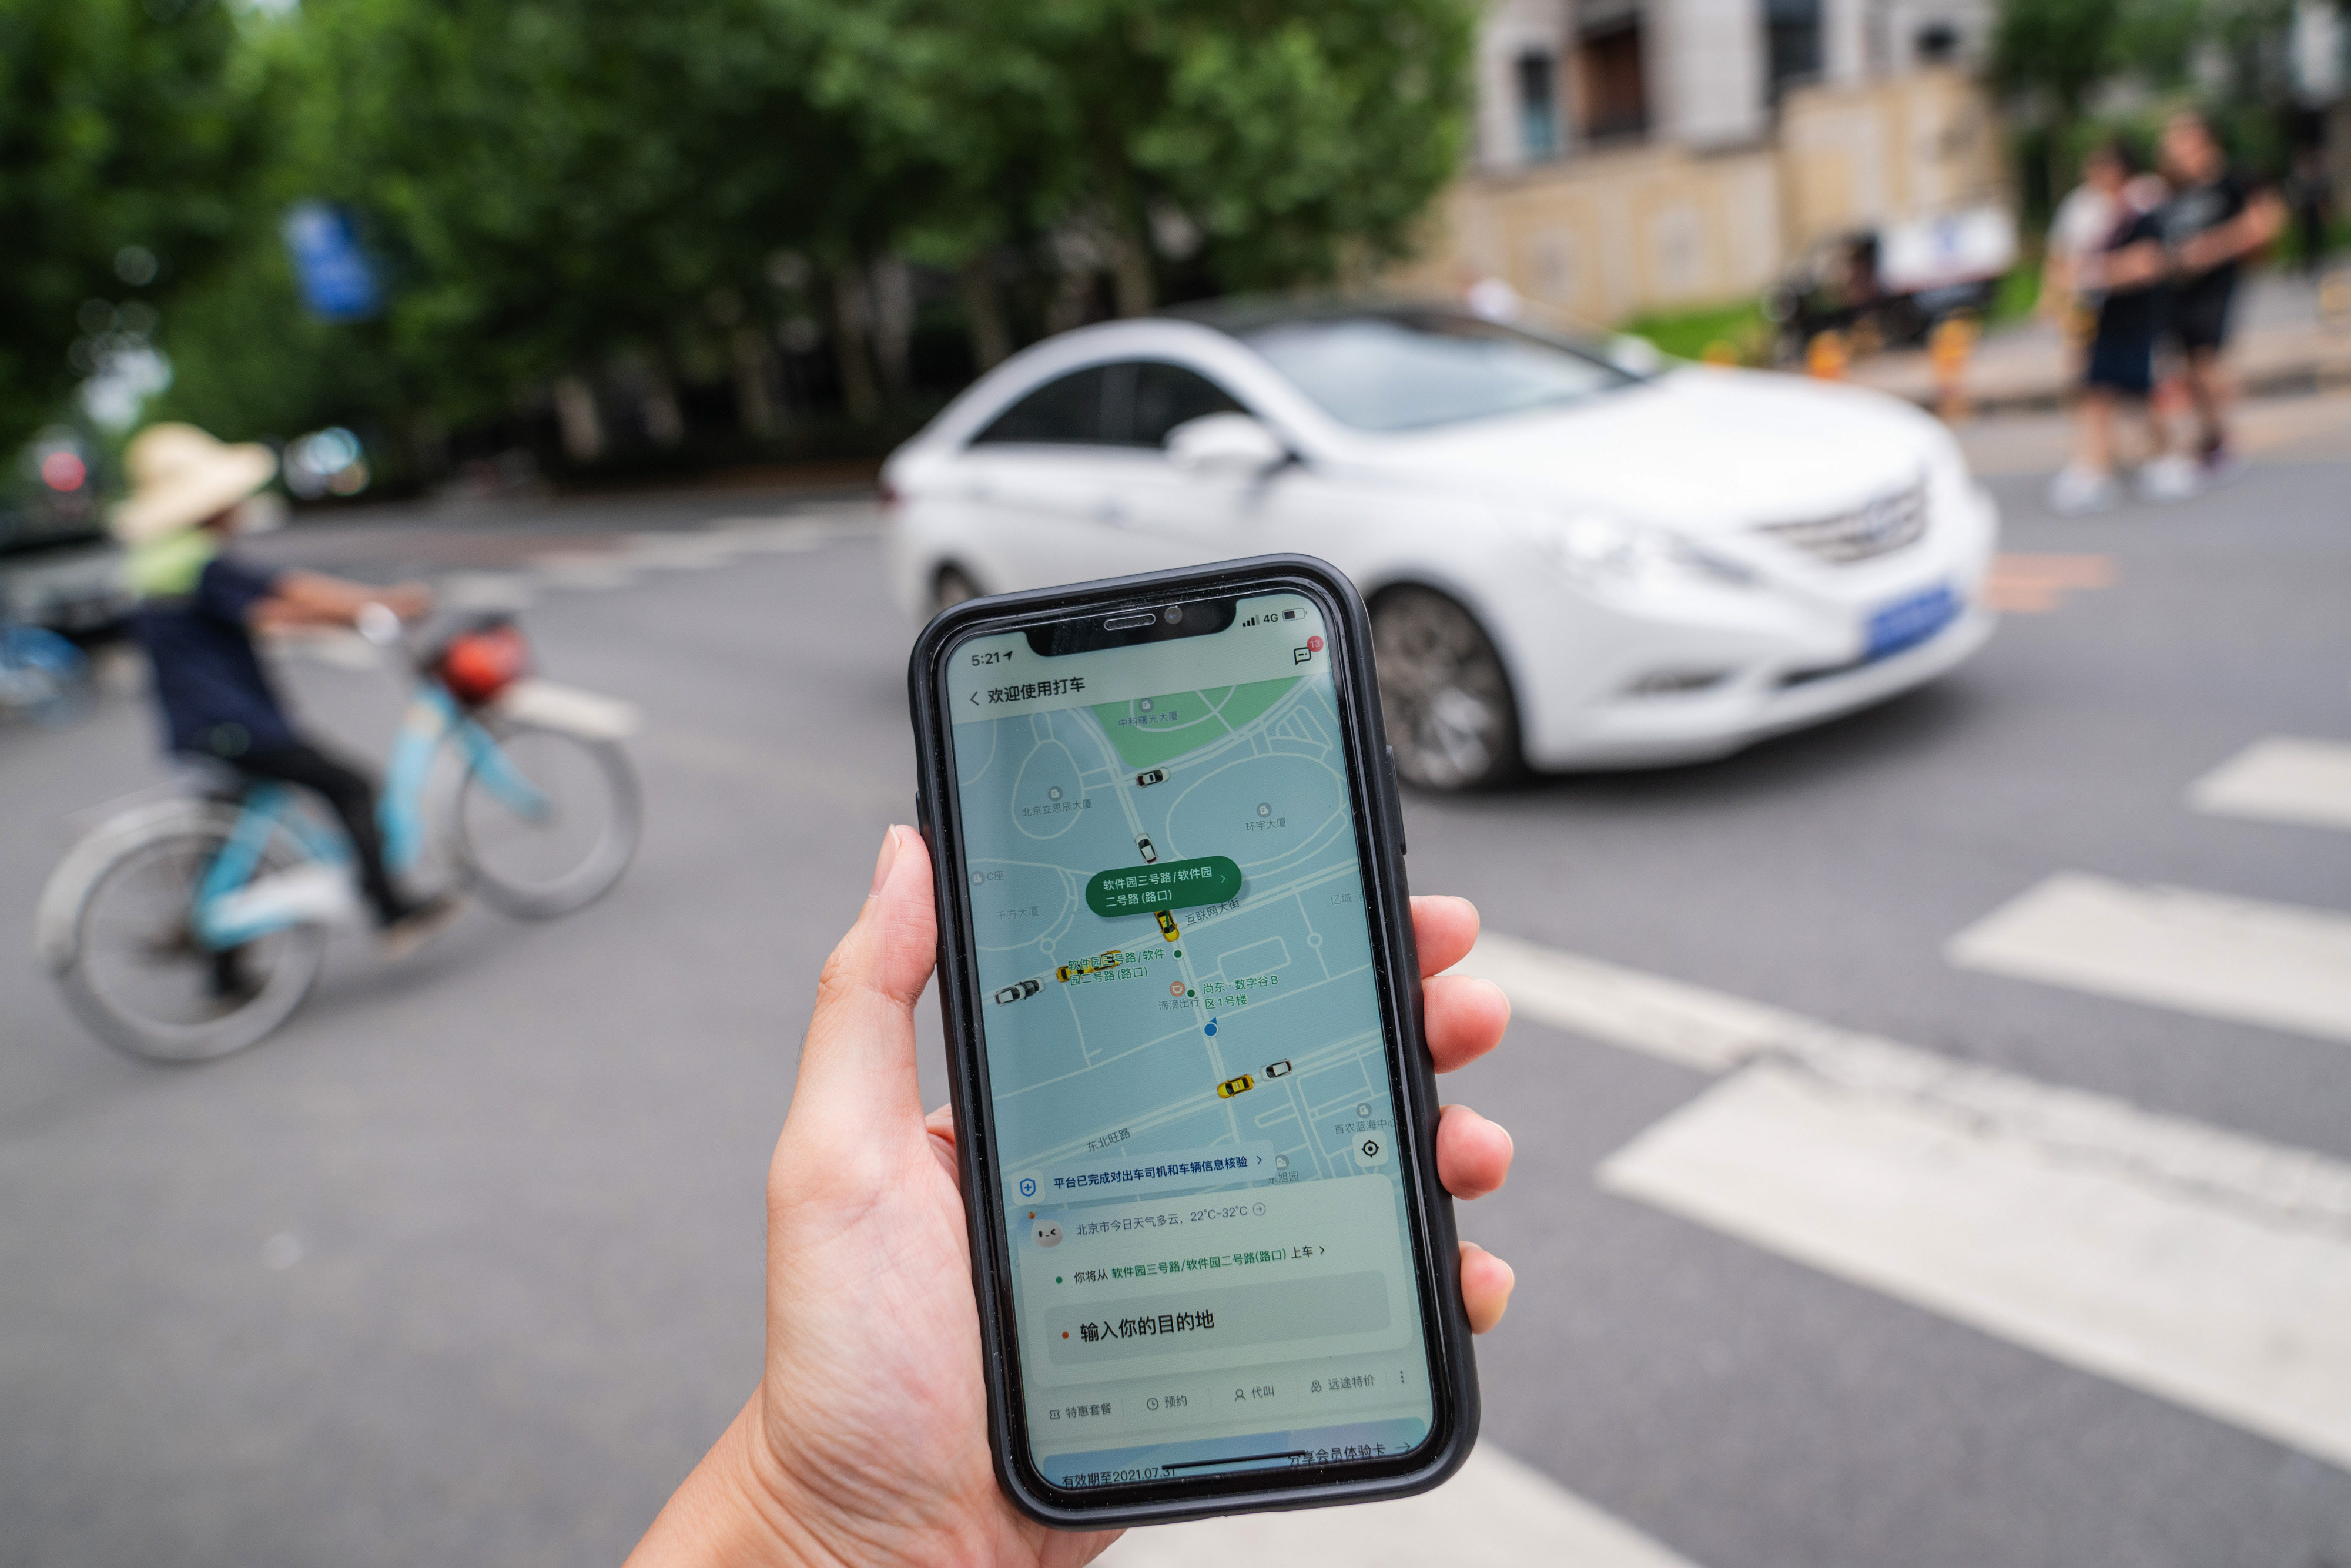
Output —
<point x="562" y="848"/>
<point x="144" y="984"/>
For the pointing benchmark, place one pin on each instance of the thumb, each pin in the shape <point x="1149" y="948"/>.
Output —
<point x="856" y="1066"/>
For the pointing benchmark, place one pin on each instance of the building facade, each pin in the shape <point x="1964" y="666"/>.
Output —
<point x="1641" y="155"/>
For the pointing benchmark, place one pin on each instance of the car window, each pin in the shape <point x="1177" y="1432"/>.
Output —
<point x="1063" y="413"/>
<point x="1162" y="396"/>
<point x="1405" y="371"/>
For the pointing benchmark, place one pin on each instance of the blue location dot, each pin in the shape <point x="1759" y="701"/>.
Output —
<point x="1212" y="1026"/>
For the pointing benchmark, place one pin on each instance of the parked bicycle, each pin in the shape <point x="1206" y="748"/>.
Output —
<point x="42" y="675"/>
<point x="541" y="819"/>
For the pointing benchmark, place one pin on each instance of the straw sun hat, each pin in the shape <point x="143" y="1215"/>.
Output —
<point x="179" y="477"/>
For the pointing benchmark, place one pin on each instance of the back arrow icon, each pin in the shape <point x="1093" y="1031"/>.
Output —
<point x="975" y="699"/>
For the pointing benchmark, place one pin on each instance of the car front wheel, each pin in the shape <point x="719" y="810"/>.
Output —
<point x="1444" y="692"/>
<point x="952" y="587"/>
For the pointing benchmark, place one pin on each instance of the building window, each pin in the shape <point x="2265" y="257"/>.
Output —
<point x="1538" y="105"/>
<point x="1792" y="31"/>
<point x="1615" y="95"/>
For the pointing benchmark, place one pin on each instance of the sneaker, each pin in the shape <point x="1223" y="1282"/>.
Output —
<point x="2077" y="490"/>
<point x="417" y="926"/>
<point x="2171" y="477"/>
<point x="2219" y="465"/>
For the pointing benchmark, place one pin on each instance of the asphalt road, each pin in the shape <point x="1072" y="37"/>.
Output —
<point x="465" y="1264"/>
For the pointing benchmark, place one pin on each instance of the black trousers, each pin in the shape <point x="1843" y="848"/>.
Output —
<point x="350" y="794"/>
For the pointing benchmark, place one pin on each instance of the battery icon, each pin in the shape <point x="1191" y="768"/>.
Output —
<point x="1290" y="615"/>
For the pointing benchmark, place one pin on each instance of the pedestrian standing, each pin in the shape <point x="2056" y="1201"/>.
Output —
<point x="2077" y="232"/>
<point x="2118" y="283"/>
<point x="2216" y="217"/>
<point x="2313" y="204"/>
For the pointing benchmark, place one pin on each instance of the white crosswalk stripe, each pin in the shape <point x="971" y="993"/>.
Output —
<point x="2198" y="1265"/>
<point x="1496" y="1512"/>
<point x="2286" y="778"/>
<point x="2270" y="964"/>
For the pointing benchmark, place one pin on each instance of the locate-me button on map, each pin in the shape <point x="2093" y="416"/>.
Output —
<point x="1140" y="1176"/>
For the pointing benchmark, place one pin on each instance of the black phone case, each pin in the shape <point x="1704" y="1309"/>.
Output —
<point x="1380" y="841"/>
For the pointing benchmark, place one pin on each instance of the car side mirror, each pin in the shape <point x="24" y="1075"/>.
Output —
<point x="1226" y="444"/>
<point x="1636" y="356"/>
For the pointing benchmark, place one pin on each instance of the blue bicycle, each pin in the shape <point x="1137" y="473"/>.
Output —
<point x="148" y="919"/>
<point x="42" y="675"/>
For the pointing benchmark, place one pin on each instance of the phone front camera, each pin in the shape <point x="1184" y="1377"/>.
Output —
<point x="1175" y="613"/>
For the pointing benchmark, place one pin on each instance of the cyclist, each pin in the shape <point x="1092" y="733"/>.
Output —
<point x="200" y="604"/>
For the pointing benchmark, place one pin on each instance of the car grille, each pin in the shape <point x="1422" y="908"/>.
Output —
<point x="1879" y="527"/>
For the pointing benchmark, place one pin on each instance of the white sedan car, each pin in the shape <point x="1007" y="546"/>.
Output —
<point x="1568" y="564"/>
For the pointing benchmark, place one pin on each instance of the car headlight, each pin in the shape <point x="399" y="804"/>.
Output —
<point x="1601" y="552"/>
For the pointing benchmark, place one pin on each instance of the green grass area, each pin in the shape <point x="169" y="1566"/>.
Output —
<point x="1687" y="334"/>
<point x="2017" y="293"/>
<point x="1185" y="721"/>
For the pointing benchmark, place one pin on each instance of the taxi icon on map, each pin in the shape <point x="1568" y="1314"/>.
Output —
<point x="1015" y="992"/>
<point x="1232" y="1086"/>
<point x="1108" y="960"/>
<point x="1151" y="775"/>
<point x="1167" y="927"/>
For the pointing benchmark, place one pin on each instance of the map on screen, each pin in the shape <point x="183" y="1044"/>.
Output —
<point x="1132" y="1052"/>
<point x="1188" y="1072"/>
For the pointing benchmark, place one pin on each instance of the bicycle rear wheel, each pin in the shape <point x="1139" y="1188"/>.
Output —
<point x="142" y="982"/>
<point x="538" y="866"/>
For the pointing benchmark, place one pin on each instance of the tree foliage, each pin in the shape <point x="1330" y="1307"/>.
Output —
<point x="127" y="135"/>
<point x="555" y="187"/>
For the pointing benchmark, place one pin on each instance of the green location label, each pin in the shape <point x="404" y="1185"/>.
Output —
<point x="1170" y="884"/>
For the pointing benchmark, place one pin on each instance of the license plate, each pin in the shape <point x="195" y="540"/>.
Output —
<point x="1907" y="623"/>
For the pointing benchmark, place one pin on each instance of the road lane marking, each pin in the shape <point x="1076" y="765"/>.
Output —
<point x="2196" y="1264"/>
<point x="2234" y="1314"/>
<point x="1682" y="1024"/>
<point x="1496" y="1512"/>
<point x="589" y="570"/>
<point x="2271" y="964"/>
<point x="2035" y="585"/>
<point x="2286" y="778"/>
<point x="1693" y="1027"/>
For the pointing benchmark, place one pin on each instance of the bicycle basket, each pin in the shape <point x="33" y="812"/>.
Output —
<point x="479" y="663"/>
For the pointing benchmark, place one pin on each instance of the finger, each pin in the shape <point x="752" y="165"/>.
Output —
<point x="1473" y="1155"/>
<point x="857" y="1067"/>
<point x="1445" y="929"/>
<point x="1465" y="1017"/>
<point x="940" y="1125"/>
<point x="1486" y="1284"/>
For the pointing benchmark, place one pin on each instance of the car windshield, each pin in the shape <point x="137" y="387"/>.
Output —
<point x="1408" y="370"/>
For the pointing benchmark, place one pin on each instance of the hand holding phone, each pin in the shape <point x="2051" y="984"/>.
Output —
<point x="867" y="1438"/>
<point x="1214" y="1263"/>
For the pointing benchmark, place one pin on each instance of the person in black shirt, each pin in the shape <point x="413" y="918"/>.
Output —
<point x="2120" y="280"/>
<point x="199" y="607"/>
<point x="2215" y="218"/>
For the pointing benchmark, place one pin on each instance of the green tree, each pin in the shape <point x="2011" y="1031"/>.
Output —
<point x="126" y="143"/>
<point x="1295" y="141"/>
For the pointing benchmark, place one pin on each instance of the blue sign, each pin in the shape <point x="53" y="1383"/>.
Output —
<point x="334" y="275"/>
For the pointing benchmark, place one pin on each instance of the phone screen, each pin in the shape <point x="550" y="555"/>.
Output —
<point x="1194" y="1117"/>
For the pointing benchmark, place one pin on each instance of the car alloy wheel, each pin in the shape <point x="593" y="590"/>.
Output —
<point x="1444" y="692"/>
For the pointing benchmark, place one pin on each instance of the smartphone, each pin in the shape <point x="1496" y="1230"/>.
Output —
<point x="1194" y="1102"/>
